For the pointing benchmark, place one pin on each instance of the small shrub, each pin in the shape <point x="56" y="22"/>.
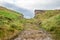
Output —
<point x="13" y="26"/>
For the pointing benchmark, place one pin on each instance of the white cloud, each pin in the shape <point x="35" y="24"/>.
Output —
<point x="33" y="4"/>
<point x="36" y="4"/>
<point x="9" y="1"/>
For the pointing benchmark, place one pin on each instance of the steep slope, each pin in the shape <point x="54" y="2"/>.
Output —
<point x="52" y="25"/>
<point x="11" y="23"/>
<point x="50" y="21"/>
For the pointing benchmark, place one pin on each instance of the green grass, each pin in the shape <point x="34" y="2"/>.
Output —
<point x="11" y="23"/>
<point x="47" y="14"/>
<point x="50" y="21"/>
<point x="52" y="25"/>
<point x="10" y="14"/>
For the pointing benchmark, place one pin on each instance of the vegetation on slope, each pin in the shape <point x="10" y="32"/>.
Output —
<point x="50" y="21"/>
<point x="53" y="26"/>
<point x="11" y="23"/>
<point x="47" y="14"/>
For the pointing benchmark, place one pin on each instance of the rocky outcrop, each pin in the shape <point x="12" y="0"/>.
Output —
<point x="39" y="11"/>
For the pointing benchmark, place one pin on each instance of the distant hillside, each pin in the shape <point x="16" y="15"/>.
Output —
<point x="11" y="23"/>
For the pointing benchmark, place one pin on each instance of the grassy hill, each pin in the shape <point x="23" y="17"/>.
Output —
<point x="52" y="25"/>
<point x="11" y="23"/>
<point x="50" y="21"/>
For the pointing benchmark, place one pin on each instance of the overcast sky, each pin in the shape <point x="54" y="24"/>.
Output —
<point x="35" y="4"/>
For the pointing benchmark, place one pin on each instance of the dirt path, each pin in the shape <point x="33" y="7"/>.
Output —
<point x="32" y="34"/>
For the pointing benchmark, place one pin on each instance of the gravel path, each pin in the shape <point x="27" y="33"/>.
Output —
<point x="33" y="35"/>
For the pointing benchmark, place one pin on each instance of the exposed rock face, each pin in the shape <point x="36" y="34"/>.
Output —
<point x="33" y="35"/>
<point x="39" y="11"/>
